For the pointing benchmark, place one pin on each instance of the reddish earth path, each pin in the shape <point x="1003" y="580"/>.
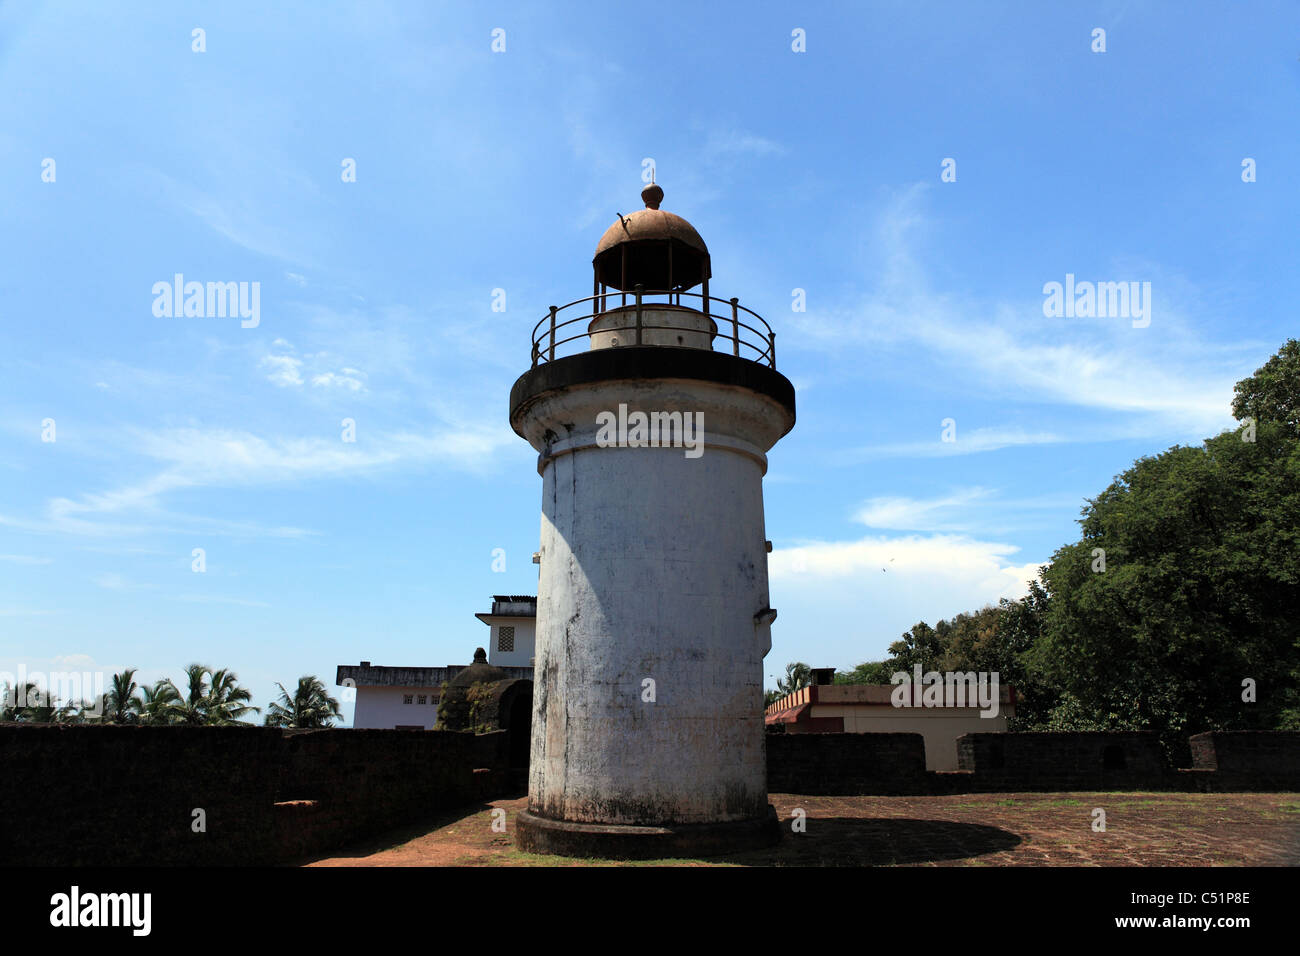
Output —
<point x="987" y="829"/>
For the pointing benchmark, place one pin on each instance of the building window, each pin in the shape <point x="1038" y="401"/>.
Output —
<point x="407" y="699"/>
<point x="506" y="639"/>
<point x="422" y="700"/>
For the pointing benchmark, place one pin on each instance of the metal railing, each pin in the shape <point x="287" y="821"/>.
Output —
<point x="547" y="337"/>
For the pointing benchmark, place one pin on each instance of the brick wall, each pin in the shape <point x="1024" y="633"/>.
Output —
<point x="366" y="781"/>
<point x="1249" y="760"/>
<point x="83" y="795"/>
<point x="1012" y="762"/>
<point x="79" y="795"/>
<point x="1064" y="761"/>
<point x="846" y="763"/>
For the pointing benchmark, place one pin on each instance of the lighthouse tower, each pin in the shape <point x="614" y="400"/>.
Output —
<point x="652" y="408"/>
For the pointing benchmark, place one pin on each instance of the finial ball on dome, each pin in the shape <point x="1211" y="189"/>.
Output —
<point x="652" y="195"/>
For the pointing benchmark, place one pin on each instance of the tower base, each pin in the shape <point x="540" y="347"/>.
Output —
<point x="535" y="834"/>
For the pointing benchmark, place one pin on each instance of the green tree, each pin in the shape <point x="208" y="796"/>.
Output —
<point x="161" y="703"/>
<point x="309" y="706"/>
<point x="1201" y="579"/>
<point x="922" y="644"/>
<point x="27" y="703"/>
<point x="213" y="697"/>
<point x="1272" y="394"/>
<point x="797" y="675"/>
<point x="869" y="672"/>
<point x="121" y="705"/>
<point x="994" y="639"/>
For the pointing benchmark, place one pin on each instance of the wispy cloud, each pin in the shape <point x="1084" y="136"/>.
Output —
<point x="914" y="514"/>
<point x="196" y="458"/>
<point x="236" y="214"/>
<point x="965" y="443"/>
<point x="1162" y="377"/>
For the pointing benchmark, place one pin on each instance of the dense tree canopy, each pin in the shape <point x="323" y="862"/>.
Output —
<point x="1272" y="394"/>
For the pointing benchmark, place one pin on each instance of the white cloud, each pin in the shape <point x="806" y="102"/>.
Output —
<point x="75" y="660"/>
<point x="194" y="458"/>
<point x="288" y="370"/>
<point x="1162" y="377"/>
<point x="970" y="442"/>
<point x="337" y="380"/>
<point x="24" y="559"/>
<point x="843" y="602"/>
<point x="937" y="563"/>
<point x="284" y="369"/>
<point x="913" y="514"/>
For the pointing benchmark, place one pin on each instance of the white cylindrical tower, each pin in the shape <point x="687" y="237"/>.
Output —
<point x="652" y="409"/>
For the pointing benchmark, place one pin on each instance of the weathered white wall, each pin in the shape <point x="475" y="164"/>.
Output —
<point x="382" y="707"/>
<point x="525" y="643"/>
<point x="653" y="565"/>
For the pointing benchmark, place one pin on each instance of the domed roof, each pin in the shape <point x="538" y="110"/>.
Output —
<point x="478" y="672"/>
<point x="649" y="232"/>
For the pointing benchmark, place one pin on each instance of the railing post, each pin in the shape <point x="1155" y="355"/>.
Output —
<point x="771" y="352"/>
<point x="735" y="327"/>
<point x="535" y="354"/>
<point x="638" y="289"/>
<point x="550" y="355"/>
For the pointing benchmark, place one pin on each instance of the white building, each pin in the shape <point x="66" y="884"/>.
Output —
<point x="513" y="624"/>
<point x="406" y="698"/>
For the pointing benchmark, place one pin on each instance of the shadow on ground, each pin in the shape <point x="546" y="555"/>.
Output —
<point x="398" y="836"/>
<point x="849" y="841"/>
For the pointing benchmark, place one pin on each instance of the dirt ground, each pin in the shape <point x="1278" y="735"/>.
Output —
<point x="988" y="829"/>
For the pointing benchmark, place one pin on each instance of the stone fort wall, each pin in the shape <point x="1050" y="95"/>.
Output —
<point x="76" y="795"/>
<point x="1262" y="761"/>
<point x="87" y="795"/>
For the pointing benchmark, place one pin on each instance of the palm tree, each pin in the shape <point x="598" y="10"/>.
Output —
<point x="191" y="709"/>
<point x="31" y="705"/>
<point x="227" y="701"/>
<point x="78" y="712"/>
<point x="213" y="697"/>
<point x="310" y="706"/>
<point x="797" y="675"/>
<point x="122" y="703"/>
<point x="161" y="704"/>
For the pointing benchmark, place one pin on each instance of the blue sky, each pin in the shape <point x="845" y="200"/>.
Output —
<point x="479" y="170"/>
